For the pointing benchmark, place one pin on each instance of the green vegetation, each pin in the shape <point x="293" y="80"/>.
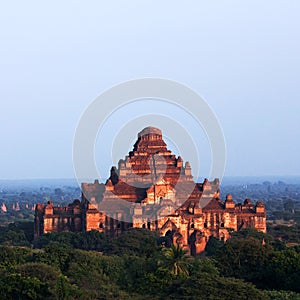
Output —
<point x="176" y="260"/>
<point x="90" y="265"/>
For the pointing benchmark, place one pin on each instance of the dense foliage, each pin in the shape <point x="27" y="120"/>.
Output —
<point x="90" y="265"/>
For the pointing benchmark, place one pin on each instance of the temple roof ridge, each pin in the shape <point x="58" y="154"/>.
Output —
<point x="150" y="130"/>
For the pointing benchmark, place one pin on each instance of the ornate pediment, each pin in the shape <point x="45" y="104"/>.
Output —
<point x="169" y="225"/>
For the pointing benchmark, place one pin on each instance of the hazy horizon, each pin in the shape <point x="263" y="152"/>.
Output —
<point x="227" y="180"/>
<point x="241" y="57"/>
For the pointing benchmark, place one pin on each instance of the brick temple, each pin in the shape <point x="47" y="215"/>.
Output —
<point x="152" y="188"/>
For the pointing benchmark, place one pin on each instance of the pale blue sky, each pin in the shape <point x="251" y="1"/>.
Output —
<point x="241" y="56"/>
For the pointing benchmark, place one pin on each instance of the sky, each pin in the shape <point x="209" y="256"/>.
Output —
<point x="242" y="57"/>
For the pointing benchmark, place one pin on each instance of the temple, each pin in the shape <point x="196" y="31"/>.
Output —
<point x="152" y="188"/>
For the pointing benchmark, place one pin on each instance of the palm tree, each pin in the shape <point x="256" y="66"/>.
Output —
<point x="176" y="260"/>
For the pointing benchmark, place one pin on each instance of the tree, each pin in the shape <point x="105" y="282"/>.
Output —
<point x="12" y="256"/>
<point x="90" y="240"/>
<point x="42" y="272"/>
<point x="98" y="276"/>
<point x="176" y="260"/>
<point x="244" y="258"/>
<point x="62" y="287"/>
<point x="140" y="242"/>
<point x="282" y="295"/>
<point x="213" y="246"/>
<point x="200" y="266"/>
<point x="289" y="205"/>
<point x="251" y="233"/>
<point x="16" y="287"/>
<point x="55" y="254"/>
<point x="283" y="271"/>
<point x="213" y="287"/>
